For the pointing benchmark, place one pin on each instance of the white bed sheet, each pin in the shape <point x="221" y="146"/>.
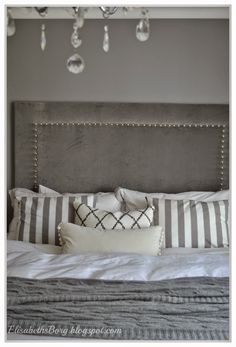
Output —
<point x="43" y="261"/>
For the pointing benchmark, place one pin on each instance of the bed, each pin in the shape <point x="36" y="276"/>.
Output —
<point x="113" y="153"/>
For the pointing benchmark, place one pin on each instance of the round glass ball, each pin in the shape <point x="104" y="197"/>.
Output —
<point x="75" y="64"/>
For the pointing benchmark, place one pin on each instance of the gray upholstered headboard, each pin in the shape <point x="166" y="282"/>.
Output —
<point x="90" y="147"/>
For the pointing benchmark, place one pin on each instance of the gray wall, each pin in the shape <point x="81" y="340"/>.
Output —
<point x="184" y="61"/>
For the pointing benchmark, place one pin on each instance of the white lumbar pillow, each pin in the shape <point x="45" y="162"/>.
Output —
<point x="78" y="239"/>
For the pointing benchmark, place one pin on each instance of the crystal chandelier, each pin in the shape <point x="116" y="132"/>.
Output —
<point x="75" y="63"/>
<point x="108" y="11"/>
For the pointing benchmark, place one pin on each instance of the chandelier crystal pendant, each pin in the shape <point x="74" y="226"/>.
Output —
<point x="106" y="39"/>
<point x="76" y="40"/>
<point x="143" y="27"/>
<point x="43" y="37"/>
<point x="79" y="16"/>
<point x="75" y="63"/>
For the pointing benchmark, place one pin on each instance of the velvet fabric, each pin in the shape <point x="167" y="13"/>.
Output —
<point x="169" y="158"/>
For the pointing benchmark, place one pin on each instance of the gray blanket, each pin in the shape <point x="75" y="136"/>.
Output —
<point x="176" y="309"/>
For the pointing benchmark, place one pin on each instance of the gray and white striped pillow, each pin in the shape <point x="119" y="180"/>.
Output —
<point x="193" y="224"/>
<point x="40" y="216"/>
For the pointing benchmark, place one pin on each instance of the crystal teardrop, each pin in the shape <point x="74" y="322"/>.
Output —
<point x="106" y="40"/>
<point x="75" y="64"/>
<point x="76" y="40"/>
<point x="143" y="30"/>
<point x="75" y="37"/>
<point x="43" y="37"/>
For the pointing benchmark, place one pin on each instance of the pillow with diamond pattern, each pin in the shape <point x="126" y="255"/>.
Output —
<point x="88" y="216"/>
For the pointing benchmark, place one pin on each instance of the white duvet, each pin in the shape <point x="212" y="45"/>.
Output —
<point x="43" y="261"/>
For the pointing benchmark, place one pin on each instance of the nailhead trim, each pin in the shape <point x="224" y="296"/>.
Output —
<point x="184" y="125"/>
<point x="222" y="157"/>
<point x="35" y="156"/>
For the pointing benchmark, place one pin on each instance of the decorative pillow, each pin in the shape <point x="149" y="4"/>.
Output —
<point x="135" y="199"/>
<point x="79" y="239"/>
<point x="40" y="215"/>
<point x="193" y="224"/>
<point x="96" y="218"/>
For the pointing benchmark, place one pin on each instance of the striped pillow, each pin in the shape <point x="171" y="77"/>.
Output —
<point x="193" y="224"/>
<point x="40" y="216"/>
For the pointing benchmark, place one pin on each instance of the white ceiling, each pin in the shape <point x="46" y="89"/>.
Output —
<point x="154" y="12"/>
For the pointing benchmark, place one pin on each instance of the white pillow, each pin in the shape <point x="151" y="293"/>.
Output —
<point x="135" y="199"/>
<point x="88" y="216"/>
<point x="105" y="201"/>
<point x="78" y="239"/>
<point x="46" y="190"/>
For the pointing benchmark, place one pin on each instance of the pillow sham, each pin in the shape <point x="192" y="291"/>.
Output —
<point x="106" y="201"/>
<point x="39" y="216"/>
<point x="134" y="199"/>
<point x="15" y="195"/>
<point x="193" y="224"/>
<point x="79" y="239"/>
<point x="93" y="217"/>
